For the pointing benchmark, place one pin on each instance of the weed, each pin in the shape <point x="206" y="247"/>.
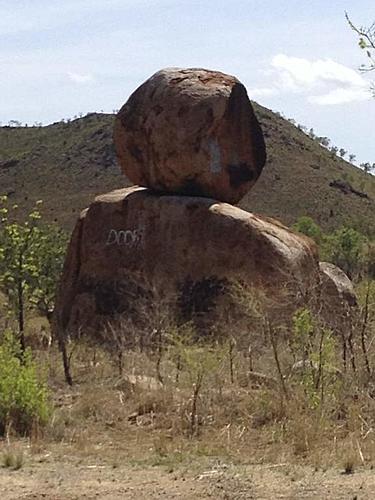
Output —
<point x="13" y="459"/>
<point x="349" y="465"/>
<point x="24" y="398"/>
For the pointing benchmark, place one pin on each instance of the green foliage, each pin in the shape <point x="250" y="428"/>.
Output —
<point x="31" y="257"/>
<point x="12" y="459"/>
<point x="366" y="42"/>
<point x="307" y="226"/>
<point x="303" y="329"/>
<point x="365" y="292"/>
<point x="49" y="257"/>
<point x="200" y="361"/>
<point x="24" y="400"/>
<point x="345" y="247"/>
<point x="198" y="357"/>
<point x="314" y="347"/>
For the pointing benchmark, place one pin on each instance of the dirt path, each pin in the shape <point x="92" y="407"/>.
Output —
<point x="64" y="481"/>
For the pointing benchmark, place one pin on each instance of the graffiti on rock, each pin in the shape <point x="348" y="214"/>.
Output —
<point x="131" y="238"/>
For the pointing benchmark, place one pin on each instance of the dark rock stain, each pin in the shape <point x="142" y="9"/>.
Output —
<point x="199" y="297"/>
<point x="239" y="174"/>
<point x="136" y="152"/>
<point x="192" y="188"/>
<point x="182" y="111"/>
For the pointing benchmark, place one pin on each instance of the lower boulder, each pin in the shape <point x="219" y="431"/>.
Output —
<point x="188" y="247"/>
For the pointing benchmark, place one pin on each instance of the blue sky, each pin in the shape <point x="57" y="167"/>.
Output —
<point x="299" y="57"/>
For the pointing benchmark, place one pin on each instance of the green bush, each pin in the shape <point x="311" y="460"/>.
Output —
<point x="306" y="225"/>
<point x="24" y="398"/>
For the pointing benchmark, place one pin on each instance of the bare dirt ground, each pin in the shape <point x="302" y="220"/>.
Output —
<point x="69" y="478"/>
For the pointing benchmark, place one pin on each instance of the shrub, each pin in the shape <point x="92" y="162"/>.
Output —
<point x="31" y="259"/>
<point x="24" y="399"/>
<point x="345" y="248"/>
<point x="12" y="459"/>
<point x="307" y="226"/>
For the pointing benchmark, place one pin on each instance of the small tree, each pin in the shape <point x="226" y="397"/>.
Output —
<point x="200" y="361"/>
<point x="31" y="258"/>
<point x="366" y="167"/>
<point x="50" y="251"/>
<point x="324" y="141"/>
<point x="307" y="226"/>
<point x="314" y="348"/>
<point x="345" y="247"/>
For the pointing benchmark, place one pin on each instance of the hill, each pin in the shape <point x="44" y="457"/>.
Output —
<point x="67" y="164"/>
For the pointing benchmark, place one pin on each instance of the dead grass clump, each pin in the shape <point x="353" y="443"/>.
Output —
<point x="12" y="458"/>
<point x="267" y="407"/>
<point x="159" y="402"/>
<point x="98" y="404"/>
<point x="349" y="464"/>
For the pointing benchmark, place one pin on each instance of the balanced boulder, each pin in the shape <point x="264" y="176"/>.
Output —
<point x="191" y="132"/>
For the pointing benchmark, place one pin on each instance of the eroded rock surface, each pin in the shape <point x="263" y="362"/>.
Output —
<point x="337" y="285"/>
<point x="191" y="132"/>
<point x="338" y="298"/>
<point x="190" y="246"/>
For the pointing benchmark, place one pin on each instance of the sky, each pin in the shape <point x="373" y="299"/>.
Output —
<point x="59" y="58"/>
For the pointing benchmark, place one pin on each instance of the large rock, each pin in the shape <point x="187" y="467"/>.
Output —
<point x="338" y="298"/>
<point x="191" y="132"/>
<point x="336" y="284"/>
<point x="189" y="246"/>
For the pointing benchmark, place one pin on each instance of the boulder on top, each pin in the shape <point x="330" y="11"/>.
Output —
<point x="189" y="246"/>
<point x="191" y="132"/>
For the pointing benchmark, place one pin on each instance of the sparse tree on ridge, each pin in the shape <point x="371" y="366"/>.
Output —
<point x="366" y="167"/>
<point x="324" y="141"/>
<point x="334" y="150"/>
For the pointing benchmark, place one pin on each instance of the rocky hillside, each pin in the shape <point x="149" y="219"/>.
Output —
<point x="67" y="164"/>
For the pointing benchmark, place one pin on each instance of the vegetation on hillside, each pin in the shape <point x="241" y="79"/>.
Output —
<point x="347" y="248"/>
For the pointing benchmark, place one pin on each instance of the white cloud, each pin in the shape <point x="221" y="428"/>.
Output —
<point x="80" y="78"/>
<point x="341" y="96"/>
<point x="325" y="81"/>
<point x="301" y="72"/>
<point x="262" y="92"/>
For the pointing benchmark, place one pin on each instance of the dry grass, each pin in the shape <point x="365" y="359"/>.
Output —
<point x="12" y="458"/>
<point x="241" y="417"/>
<point x="102" y="417"/>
